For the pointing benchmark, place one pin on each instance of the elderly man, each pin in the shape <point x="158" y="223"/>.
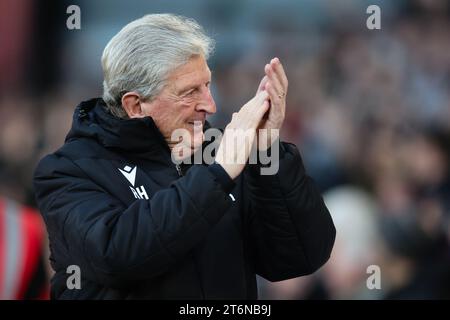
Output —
<point x="136" y="225"/>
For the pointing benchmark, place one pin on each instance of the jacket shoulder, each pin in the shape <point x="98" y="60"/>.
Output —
<point x="55" y="164"/>
<point x="81" y="148"/>
<point x="62" y="167"/>
<point x="63" y="160"/>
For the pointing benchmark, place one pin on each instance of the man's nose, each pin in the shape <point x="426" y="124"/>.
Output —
<point x="206" y="104"/>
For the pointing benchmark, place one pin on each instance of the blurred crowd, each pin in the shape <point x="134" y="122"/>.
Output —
<point x="368" y="109"/>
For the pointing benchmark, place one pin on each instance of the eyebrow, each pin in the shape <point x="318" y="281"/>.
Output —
<point x="190" y="87"/>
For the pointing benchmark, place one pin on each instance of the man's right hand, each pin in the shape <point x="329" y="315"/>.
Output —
<point x="242" y="128"/>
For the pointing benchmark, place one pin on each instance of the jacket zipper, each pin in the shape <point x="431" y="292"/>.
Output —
<point x="180" y="173"/>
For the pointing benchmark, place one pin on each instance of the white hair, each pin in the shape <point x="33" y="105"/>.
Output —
<point x="141" y="56"/>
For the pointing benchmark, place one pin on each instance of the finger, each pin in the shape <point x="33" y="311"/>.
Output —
<point x="260" y="97"/>
<point x="251" y="109"/>
<point x="256" y="100"/>
<point x="265" y="107"/>
<point x="279" y="70"/>
<point x="275" y="80"/>
<point x="274" y="72"/>
<point x="274" y="94"/>
<point x="262" y="84"/>
<point x="263" y="104"/>
<point x="262" y="109"/>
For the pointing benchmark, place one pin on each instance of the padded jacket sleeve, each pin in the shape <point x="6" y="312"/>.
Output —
<point x="291" y="232"/>
<point x="113" y="244"/>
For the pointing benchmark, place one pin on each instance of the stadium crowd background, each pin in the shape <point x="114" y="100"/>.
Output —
<point x="369" y="110"/>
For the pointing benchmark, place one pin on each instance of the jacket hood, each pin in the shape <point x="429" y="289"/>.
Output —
<point x="92" y="120"/>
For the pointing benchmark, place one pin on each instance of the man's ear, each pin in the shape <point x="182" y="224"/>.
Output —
<point x="132" y="105"/>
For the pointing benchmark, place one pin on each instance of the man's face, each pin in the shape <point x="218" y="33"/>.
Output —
<point x="184" y="100"/>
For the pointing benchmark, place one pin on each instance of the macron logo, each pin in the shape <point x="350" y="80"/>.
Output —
<point x="129" y="173"/>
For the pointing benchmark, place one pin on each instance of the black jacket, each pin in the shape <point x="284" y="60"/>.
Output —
<point x="190" y="240"/>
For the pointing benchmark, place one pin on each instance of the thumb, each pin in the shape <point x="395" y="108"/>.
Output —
<point x="262" y="84"/>
<point x="262" y="109"/>
<point x="261" y="96"/>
